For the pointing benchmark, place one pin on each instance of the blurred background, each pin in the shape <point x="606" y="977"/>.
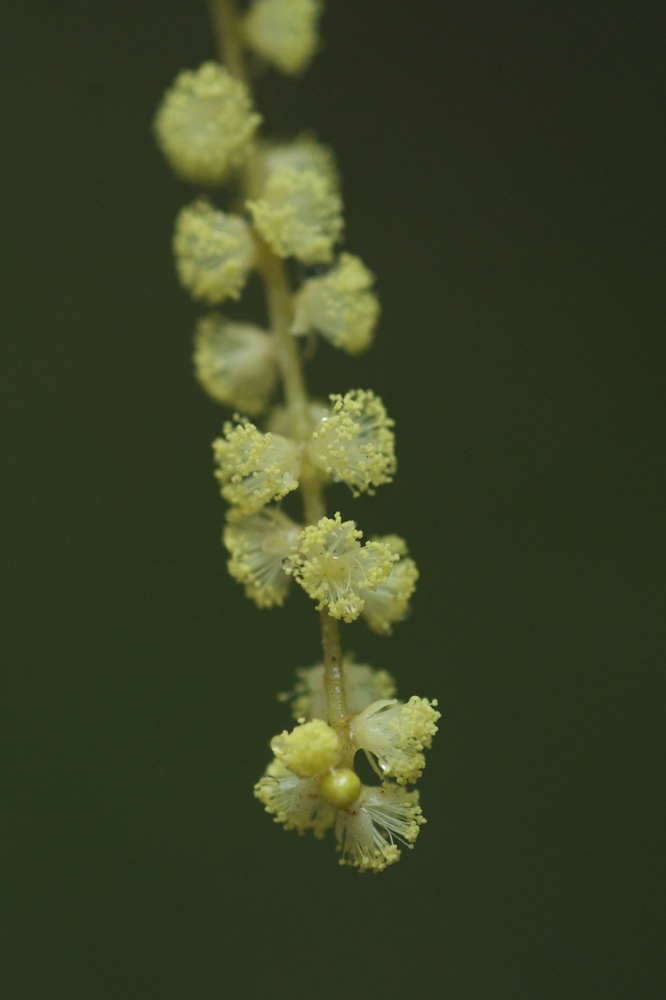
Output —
<point x="503" y="172"/>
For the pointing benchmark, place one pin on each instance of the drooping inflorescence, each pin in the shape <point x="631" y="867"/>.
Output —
<point x="280" y="446"/>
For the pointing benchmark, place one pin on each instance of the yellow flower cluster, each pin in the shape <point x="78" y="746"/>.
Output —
<point x="311" y="749"/>
<point x="214" y="252"/>
<point x="335" y="570"/>
<point x="206" y="127"/>
<point x="259" y="545"/>
<point x="388" y="603"/>
<point x="396" y="734"/>
<point x="284" y="32"/>
<point x="236" y="363"/>
<point x="286" y="204"/>
<point x="340" y="306"/>
<point x="304" y="153"/>
<point x="305" y="788"/>
<point x="205" y="124"/>
<point x="355" y="442"/>
<point x="254" y="468"/>
<point x="299" y="214"/>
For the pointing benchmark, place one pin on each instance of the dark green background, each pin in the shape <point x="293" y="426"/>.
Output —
<point x="503" y="173"/>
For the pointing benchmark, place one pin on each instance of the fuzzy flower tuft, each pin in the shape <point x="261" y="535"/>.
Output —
<point x="310" y="749"/>
<point x="340" y="306"/>
<point x="214" y="252"/>
<point x="299" y="214"/>
<point x="304" y="153"/>
<point x="355" y="443"/>
<point x="369" y="822"/>
<point x="295" y="802"/>
<point x="396" y="734"/>
<point x="284" y="32"/>
<point x="258" y="545"/>
<point x="363" y="685"/>
<point x="205" y="124"/>
<point x="333" y="567"/>
<point x="389" y="602"/>
<point x="255" y="468"/>
<point x="236" y="363"/>
<point x="367" y="832"/>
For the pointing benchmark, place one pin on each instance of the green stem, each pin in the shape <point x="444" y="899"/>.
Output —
<point x="334" y="685"/>
<point x="228" y="36"/>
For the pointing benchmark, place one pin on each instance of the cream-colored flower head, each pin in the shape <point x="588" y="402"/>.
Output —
<point x="333" y="567"/>
<point x="299" y="214"/>
<point x="255" y="468"/>
<point x="389" y="602"/>
<point x="396" y="734"/>
<point x="363" y="685"/>
<point x="258" y="546"/>
<point x="295" y="802"/>
<point x="367" y="832"/>
<point x="205" y="124"/>
<point x="355" y="443"/>
<point x="284" y="32"/>
<point x="304" y="153"/>
<point x="340" y="306"/>
<point x="236" y="363"/>
<point x="310" y="749"/>
<point x="214" y="251"/>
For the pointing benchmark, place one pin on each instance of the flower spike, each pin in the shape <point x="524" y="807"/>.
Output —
<point x="280" y="227"/>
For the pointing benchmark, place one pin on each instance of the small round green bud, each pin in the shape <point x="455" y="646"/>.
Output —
<point x="340" y="788"/>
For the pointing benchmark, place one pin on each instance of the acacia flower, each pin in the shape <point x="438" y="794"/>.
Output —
<point x="299" y="214"/>
<point x="369" y="822"/>
<point x="236" y="363"/>
<point x="389" y="602"/>
<point x="340" y="306"/>
<point x="333" y="567"/>
<point x="284" y="32"/>
<point x="310" y="749"/>
<point x="363" y="685"/>
<point x="355" y="443"/>
<point x="255" y="468"/>
<point x="214" y="251"/>
<point x="396" y="734"/>
<point x="368" y="830"/>
<point x="258" y="545"/>
<point x="295" y="802"/>
<point x="304" y="153"/>
<point x="205" y="124"/>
